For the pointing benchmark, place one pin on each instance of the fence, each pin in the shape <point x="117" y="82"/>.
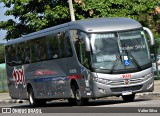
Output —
<point x="3" y="80"/>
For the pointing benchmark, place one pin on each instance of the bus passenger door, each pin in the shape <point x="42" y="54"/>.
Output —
<point x="84" y="59"/>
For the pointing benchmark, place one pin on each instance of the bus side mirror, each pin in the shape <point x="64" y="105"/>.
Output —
<point x="152" y="42"/>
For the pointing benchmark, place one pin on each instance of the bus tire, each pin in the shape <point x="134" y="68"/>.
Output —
<point x="128" y="98"/>
<point x="32" y="100"/>
<point x="35" y="102"/>
<point x="77" y="100"/>
<point x="71" y="101"/>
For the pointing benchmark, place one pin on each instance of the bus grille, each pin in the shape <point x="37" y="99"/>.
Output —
<point x="131" y="81"/>
<point x="120" y="89"/>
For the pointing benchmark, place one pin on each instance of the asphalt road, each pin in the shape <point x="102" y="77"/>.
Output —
<point x="145" y="104"/>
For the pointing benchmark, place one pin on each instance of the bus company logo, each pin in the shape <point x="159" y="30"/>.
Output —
<point x="18" y="76"/>
<point x="126" y="76"/>
<point x="126" y="81"/>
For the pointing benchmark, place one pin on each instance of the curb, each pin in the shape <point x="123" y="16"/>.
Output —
<point x="13" y="101"/>
<point x="155" y="94"/>
<point x="148" y="93"/>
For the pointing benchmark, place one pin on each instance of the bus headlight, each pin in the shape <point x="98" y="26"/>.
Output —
<point x="100" y="80"/>
<point x="148" y="76"/>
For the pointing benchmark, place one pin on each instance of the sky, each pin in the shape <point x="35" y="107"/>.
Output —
<point x="3" y="18"/>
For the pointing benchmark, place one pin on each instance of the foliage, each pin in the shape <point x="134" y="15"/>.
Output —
<point x="1" y="53"/>
<point x="141" y="10"/>
<point x="34" y="15"/>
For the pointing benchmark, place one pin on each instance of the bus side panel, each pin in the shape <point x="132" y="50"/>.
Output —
<point x="75" y="71"/>
<point x="16" y="81"/>
<point x="48" y="79"/>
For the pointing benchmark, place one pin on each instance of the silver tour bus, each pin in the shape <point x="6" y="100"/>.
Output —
<point x="81" y="60"/>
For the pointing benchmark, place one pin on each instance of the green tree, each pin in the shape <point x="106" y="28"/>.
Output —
<point x="34" y="15"/>
<point x="141" y="10"/>
<point x="1" y="54"/>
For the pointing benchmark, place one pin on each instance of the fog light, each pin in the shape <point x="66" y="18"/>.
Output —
<point x="101" y="90"/>
<point x="150" y="85"/>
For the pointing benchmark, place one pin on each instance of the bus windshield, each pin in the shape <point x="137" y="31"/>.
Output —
<point x="119" y="50"/>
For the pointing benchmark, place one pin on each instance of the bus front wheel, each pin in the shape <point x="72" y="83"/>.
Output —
<point x="128" y="98"/>
<point x="77" y="100"/>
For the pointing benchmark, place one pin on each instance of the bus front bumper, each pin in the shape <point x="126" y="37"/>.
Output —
<point x="103" y="90"/>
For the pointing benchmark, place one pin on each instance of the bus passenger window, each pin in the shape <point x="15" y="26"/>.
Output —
<point x="38" y="52"/>
<point x="49" y="50"/>
<point x="52" y="47"/>
<point x="43" y="48"/>
<point x="27" y="60"/>
<point x="58" y="46"/>
<point x="61" y="46"/>
<point x="9" y="54"/>
<point x="33" y="51"/>
<point x="19" y="52"/>
<point x="27" y="53"/>
<point x="55" y="47"/>
<point x="40" y="49"/>
<point x="67" y="44"/>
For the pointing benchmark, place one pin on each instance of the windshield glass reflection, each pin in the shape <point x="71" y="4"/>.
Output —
<point x="120" y="50"/>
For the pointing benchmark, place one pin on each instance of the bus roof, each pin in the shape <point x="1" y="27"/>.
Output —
<point x="88" y="25"/>
<point x="106" y="24"/>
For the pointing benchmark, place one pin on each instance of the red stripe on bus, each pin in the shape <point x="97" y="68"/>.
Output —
<point x="75" y="77"/>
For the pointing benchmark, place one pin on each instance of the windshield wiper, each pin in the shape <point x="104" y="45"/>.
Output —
<point x="114" y="65"/>
<point x="119" y="57"/>
<point x="131" y="57"/>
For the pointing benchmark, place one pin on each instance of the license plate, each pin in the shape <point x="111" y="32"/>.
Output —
<point x="126" y="92"/>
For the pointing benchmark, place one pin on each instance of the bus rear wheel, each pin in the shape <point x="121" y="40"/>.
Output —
<point x="35" y="102"/>
<point x="32" y="100"/>
<point x="128" y="98"/>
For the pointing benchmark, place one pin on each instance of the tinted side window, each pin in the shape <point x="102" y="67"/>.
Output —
<point x="67" y="44"/>
<point x="33" y="51"/>
<point x="9" y="55"/>
<point x="20" y="53"/>
<point x="27" y="53"/>
<point x="14" y="54"/>
<point x="58" y="46"/>
<point x="45" y="48"/>
<point x="61" y="47"/>
<point x="41" y="49"/>
<point x="52" y="47"/>
<point x="38" y="49"/>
